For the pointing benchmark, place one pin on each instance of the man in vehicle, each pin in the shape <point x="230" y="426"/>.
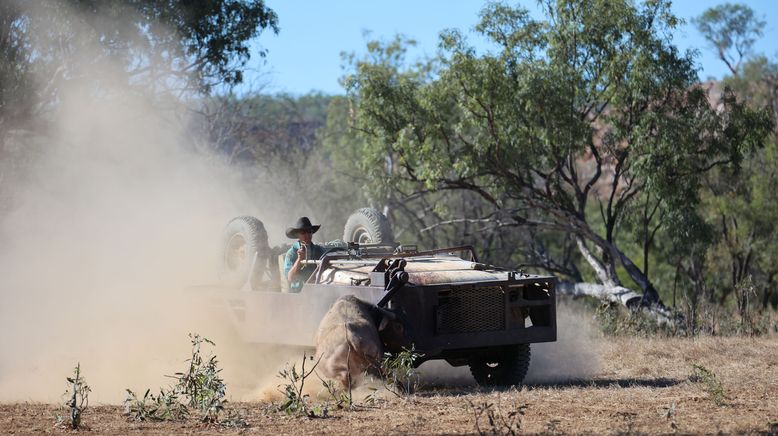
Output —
<point x="296" y="271"/>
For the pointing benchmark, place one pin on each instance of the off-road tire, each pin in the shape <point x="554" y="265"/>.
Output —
<point x="243" y="236"/>
<point x="503" y="366"/>
<point x="368" y="226"/>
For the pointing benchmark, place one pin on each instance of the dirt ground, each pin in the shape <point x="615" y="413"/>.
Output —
<point x="642" y="386"/>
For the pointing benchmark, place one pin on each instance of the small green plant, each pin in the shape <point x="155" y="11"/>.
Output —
<point x="76" y="399"/>
<point x="710" y="383"/>
<point x="201" y="384"/>
<point x="399" y="372"/>
<point x="199" y="388"/>
<point x="498" y="421"/>
<point x="295" y="401"/>
<point x="341" y="398"/>
<point x="163" y="407"/>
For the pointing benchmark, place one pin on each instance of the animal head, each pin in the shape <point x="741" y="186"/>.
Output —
<point x="393" y="329"/>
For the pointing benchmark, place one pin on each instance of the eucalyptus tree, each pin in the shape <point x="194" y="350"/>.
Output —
<point x="561" y="126"/>
<point x="741" y="205"/>
<point x="173" y="46"/>
<point x="732" y="30"/>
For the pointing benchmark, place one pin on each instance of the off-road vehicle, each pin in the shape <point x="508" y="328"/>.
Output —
<point x="450" y="306"/>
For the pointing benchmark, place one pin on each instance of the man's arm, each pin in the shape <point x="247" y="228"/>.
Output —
<point x="292" y="263"/>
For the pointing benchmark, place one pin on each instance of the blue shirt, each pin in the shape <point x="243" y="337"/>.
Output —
<point x="314" y="252"/>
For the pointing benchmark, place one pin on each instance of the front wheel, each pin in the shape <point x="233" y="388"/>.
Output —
<point x="502" y="366"/>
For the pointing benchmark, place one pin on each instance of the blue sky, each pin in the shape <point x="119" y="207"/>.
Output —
<point x="305" y="55"/>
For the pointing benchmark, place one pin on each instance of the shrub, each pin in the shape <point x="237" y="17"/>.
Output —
<point x="709" y="381"/>
<point x="399" y="372"/>
<point x="77" y="399"/>
<point x="296" y="402"/>
<point x="199" y="388"/>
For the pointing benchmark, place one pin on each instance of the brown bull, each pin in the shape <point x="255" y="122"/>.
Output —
<point x="347" y="342"/>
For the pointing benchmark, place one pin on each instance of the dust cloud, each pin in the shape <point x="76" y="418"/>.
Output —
<point x="576" y="355"/>
<point x="110" y="222"/>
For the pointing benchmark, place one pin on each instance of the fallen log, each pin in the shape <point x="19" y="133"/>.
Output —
<point x="620" y="295"/>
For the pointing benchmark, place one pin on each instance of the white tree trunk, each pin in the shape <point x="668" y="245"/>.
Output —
<point x="616" y="294"/>
<point x="597" y="266"/>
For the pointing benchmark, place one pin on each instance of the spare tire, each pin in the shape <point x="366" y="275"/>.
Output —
<point x="368" y="226"/>
<point x="243" y="236"/>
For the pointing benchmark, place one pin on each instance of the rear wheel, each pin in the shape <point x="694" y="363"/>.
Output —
<point x="244" y="237"/>
<point x="503" y="366"/>
<point x="368" y="226"/>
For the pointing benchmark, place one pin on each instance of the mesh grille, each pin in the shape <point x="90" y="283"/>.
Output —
<point x="470" y="310"/>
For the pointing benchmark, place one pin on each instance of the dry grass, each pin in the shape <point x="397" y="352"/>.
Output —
<point x="643" y="386"/>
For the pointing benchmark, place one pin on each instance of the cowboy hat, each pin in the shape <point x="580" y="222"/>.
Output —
<point x="302" y="224"/>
